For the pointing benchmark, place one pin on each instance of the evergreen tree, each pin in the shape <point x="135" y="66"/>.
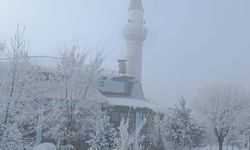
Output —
<point x="178" y="130"/>
<point x="106" y="137"/>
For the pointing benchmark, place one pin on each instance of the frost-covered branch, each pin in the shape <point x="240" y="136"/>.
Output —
<point x="75" y="98"/>
<point x="16" y="81"/>
<point x="222" y="105"/>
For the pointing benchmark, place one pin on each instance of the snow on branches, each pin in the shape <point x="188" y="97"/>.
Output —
<point x="178" y="130"/>
<point x="76" y="100"/>
<point x="222" y="106"/>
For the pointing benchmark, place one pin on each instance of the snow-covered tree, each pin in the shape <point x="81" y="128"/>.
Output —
<point x="126" y="140"/>
<point x="17" y="111"/>
<point x="221" y="105"/>
<point x="131" y="139"/>
<point x="155" y="133"/>
<point x="106" y="136"/>
<point x="76" y="100"/>
<point x="137" y="136"/>
<point x="239" y="135"/>
<point x="245" y="124"/>
<point x="123" y="138"/>
<point x="178" y="131"/>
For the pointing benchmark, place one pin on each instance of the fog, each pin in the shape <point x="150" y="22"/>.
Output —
<point x="190" y="43"/>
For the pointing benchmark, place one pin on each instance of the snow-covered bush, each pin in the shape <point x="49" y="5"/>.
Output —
<point x="131" y="139"/>
<point x="11" y="138"/>
<point x="125" y="141"/>
<point x="106" y="136"/>
<point x="123" y="138"/>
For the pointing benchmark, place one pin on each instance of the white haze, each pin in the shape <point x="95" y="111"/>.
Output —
<point x="190" y="43"/>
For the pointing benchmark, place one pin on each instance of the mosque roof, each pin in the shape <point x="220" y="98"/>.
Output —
<point x="135" y="103"/>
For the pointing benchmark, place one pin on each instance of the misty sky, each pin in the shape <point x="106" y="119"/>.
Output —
<point x="191" y="43"/>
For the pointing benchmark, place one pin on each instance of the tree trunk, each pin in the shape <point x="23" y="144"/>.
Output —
<point x="220" y="140"/>
<point x="220" y="146"/>
<point x="249" y="143"/>
<point x="11" y="94"/>
<point x="210" y="146"/>
<point x="7" y="113"/>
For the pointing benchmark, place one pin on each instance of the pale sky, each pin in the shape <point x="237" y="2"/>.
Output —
<point x="191" y="43"/>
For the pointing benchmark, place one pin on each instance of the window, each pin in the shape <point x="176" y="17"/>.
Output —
<point x="114" y="86"/>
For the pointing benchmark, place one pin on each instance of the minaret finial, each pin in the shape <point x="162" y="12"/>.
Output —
<point x="136" y="4"/>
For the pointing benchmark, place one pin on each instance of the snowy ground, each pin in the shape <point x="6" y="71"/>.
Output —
<point x="45" y="146"/>
<point x="217" y="148"/>
<point x="49" y="146"/>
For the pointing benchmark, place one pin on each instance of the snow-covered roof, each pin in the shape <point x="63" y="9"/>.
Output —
<point x="112" y="74"/>
<point x="135" y="103"/>
<point x="45" y="61"/>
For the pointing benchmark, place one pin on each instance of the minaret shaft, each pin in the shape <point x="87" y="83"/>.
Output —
<point x="134" y="58"/>
<point x="135" y="34"/>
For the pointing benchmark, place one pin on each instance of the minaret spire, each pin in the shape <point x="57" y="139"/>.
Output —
<point x="135" y="34"/>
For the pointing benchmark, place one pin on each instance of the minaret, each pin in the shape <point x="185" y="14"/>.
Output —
<point x="135" y="34"/>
